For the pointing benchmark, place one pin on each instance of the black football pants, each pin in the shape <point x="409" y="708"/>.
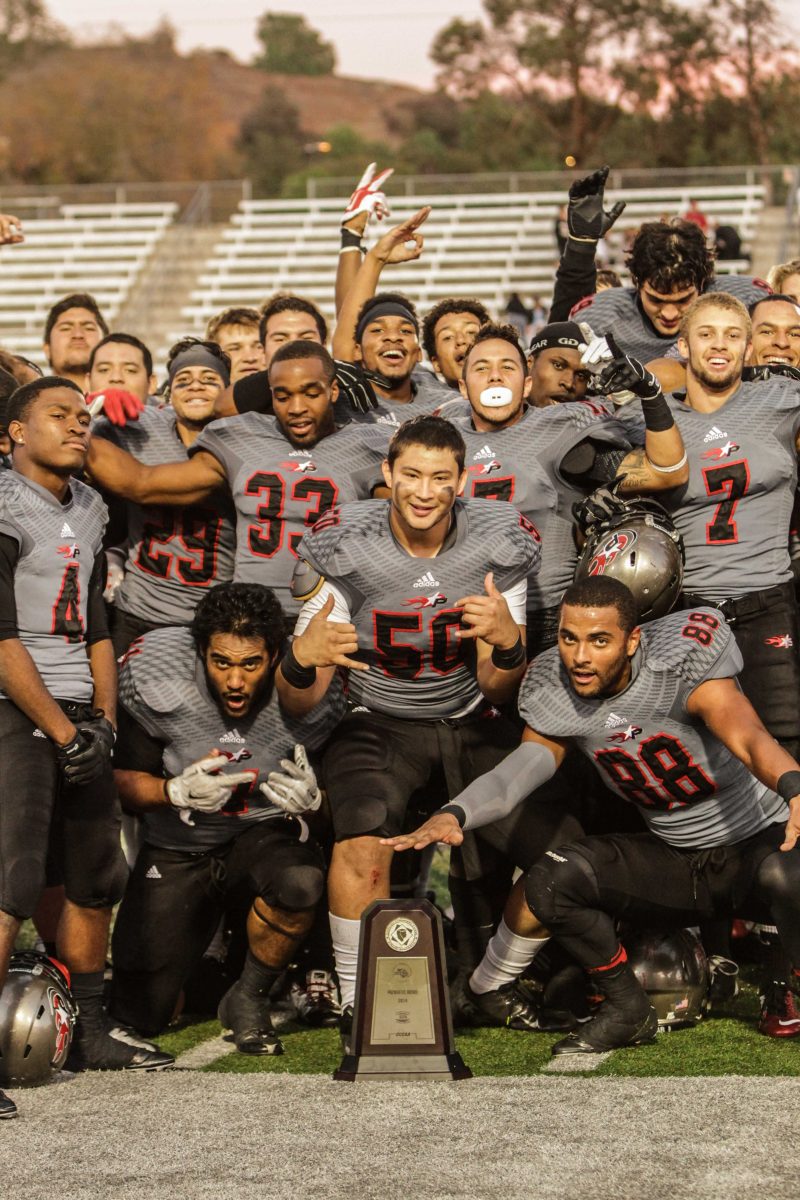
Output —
<point x="579" y="890"/>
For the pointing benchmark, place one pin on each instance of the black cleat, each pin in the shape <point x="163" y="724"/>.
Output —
<point x="248" y="1019"/>
<point x="111" y="1046"/>
<point x="512" y="1007"/>
<point x="724" y="981"/>
<point x="346" y="1027"/>
<point x="614" y="1026"/>
<point x="8" y="1108"/>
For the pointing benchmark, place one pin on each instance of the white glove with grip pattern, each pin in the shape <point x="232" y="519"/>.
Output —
<point x="295" y="788"/>
<point x="369" y="196"/>
<point x="202" y="787"/>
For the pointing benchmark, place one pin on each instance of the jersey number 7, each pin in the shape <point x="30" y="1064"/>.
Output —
<point x="731" y="481"/>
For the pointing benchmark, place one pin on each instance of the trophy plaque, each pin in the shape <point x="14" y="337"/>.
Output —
<point x="402" y="1026"/>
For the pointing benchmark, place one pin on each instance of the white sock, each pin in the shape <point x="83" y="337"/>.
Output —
<point x="345" y="935"/>
<point x="506" y="957"/>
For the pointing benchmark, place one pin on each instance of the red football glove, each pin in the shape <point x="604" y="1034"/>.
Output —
<point x="119" y="406"/>
<point x="369" y="196"/>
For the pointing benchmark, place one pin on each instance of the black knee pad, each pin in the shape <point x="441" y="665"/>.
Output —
<point x="298" y="888"/>
<point x="105" y="887"/>
<point x="561" y="879"/>
<point x="779" y="875"/>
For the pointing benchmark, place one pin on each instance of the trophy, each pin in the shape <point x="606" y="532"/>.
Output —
<point x="402" y="1027"/>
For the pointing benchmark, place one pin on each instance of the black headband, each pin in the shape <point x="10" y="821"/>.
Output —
<point x="386" y="308"/>
<point x="198" y="356"/>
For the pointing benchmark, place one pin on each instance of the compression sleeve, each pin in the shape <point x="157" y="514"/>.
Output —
<point x="96" y="621"/>
<point x="497" y="793"/>
<point x="135" y="748"/>
<point x="576" y="277"/>
<point x="252" y="393"/>
<point x="9" y="553"/>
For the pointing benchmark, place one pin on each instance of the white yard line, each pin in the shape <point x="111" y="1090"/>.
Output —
<point x="204" y="1054"/>
<point x="571" y="1064"/>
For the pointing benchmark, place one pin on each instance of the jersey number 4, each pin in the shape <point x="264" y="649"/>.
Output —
<point x="67" y="609"/>
<point x="662" y="775"/>
<point x="731" y="481"/>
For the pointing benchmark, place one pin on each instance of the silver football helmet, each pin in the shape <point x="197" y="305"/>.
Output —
<point x="673" y="970"/>
<point x="37" y="1019"/>
<point x="640" y="547"/>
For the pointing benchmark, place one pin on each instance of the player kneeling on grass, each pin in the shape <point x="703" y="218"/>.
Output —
<point x="660" y="714"/>
<point x="220" y="773"/>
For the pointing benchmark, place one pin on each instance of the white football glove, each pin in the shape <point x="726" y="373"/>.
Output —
<point x="596" y="354"/>
<point x="295" y="788"/>
<point x="201" y="787"/>
<point x="369" y="196"/>
<point x="115" y="573"/>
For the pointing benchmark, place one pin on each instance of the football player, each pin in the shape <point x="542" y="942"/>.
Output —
<point x="220" y="774"/>
<point x="283" y="472"/>
<point x="236" y="332"/>
<point x="421" y="598"/>
<point x="73" y="327"/>
<point x="172" y="555"/>
<point x="448" y="331"/>
<point x="545" y="459"/>
<point x="58" y="707"/>
<point x="658" y="712"/>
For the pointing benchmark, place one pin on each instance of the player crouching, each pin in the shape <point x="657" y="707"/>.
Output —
<point x="711" y="783"/>
<point x="219" y="772"/>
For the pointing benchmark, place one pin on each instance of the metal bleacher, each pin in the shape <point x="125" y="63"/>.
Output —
<point x="97" y="248"/>
<point x="483" y="245"/>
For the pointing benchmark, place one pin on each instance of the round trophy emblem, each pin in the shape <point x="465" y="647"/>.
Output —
<point x="402" y="934"/>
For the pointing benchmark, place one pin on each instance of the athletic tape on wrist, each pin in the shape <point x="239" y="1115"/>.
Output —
<point x="672" y="467"/>
<point x="657" y="414"/>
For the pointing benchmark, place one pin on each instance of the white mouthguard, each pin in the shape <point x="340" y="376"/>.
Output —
<point x="496" y="397"/>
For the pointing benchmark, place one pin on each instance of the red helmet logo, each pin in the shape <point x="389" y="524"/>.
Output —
<point x="618" y="542"/>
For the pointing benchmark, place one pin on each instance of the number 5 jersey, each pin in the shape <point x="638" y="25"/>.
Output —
<point x="691" y="790"/>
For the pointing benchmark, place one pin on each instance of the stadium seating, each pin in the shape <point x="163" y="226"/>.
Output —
<point x="97" y="248"/>
<point x="482" y="245"/>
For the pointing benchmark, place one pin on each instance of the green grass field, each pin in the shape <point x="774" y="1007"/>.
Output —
<point x="728" y="1044"/>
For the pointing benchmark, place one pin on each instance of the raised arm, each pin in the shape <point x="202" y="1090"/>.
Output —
<point x="588" y="221"/>
<point x="367" y="199"/>
<point x="173" y="483"/>
<point x="401" y="244"/>
<point x="499" y="641"/>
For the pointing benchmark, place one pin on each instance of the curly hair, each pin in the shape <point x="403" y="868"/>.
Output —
<point x="669" y="255"/>
<point x="453" y="304"/>
<point x="247" y="610"/>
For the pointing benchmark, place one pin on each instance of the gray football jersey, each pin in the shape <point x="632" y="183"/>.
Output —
<point x="280" y="492"/>
<point x="522" y="464"/>
<point x="58" y="547"/>
<point x="689" y="787"/>
<point x="734" y="513"/>
<point x="163" y="686"/>
<point x="174" y="554"/>
<point x="402" y="606"/>
<point x="429" y="394"/>
<point x="617" y="311"/>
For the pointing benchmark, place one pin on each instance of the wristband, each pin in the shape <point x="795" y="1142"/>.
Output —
<point x="166" y="792"/>
<point x="672" y="467"/>
<point x="657" y="413"/>
<point x="352" y="241"/>
<point x="507" y="660"/>
<point x="295" y="674"/>
<point x="456" y="811"/>
<point x="788" y="785"/>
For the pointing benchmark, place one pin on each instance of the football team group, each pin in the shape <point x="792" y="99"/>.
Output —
<point x="272" y="631"/>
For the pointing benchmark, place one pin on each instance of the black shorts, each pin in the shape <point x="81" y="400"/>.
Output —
<point x="126" y="628"/>
<point x="375" y="763"/>
<point x="174" y="900"/>
<point x="35" y="801"/>
<point x="767" y="633"/>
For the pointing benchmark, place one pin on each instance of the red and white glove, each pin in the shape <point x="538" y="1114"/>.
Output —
<point x="119" y="406"/>
<point x="368" y="196"/>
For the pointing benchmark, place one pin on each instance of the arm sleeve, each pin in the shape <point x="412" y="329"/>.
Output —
<point x="497" y="793"/>
<point x="516" y="599"/>
<point x="9" y="553"/>
<point x="591" y="463"/>
<point x="135" y="748"/>
<point x="576" y="277"/>
<point x="341" y="609"/>
<point x="97" y="624"/>
<point x="253" y="393"/>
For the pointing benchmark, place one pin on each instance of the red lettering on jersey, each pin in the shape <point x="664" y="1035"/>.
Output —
<point x="579" y="307"/>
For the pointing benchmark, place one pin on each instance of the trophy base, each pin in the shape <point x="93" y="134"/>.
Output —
<point x="365" y="1068"/>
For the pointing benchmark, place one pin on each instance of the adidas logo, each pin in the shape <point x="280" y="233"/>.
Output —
<point x="38" y="733"/>
<point x="233" y="736"/>
<point x="715" y="434"/>
<point x="427" y="580"/>
<point x="388" y="419"/>
<point x="485" y="452"/>
<point x="615" y="720"/>
<point x="66" y="532"/>
<point x="153" y="873"/>
<point x="298" y="454"/>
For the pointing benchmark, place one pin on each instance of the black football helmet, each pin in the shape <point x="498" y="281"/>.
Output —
<point x="37" y="1020"/>
<point x="673" y="970"/>
<point x="640" y="546"/>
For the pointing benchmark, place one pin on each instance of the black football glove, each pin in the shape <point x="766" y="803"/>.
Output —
<point x="587" y="220"/>
<point x="626" y="374"/>
<point x="765" y="373"/>
<point x="82" y="760"/>
<point x="354" y="387"/>
<point x="100" y="728"/>
<point x="599" y="506"/>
